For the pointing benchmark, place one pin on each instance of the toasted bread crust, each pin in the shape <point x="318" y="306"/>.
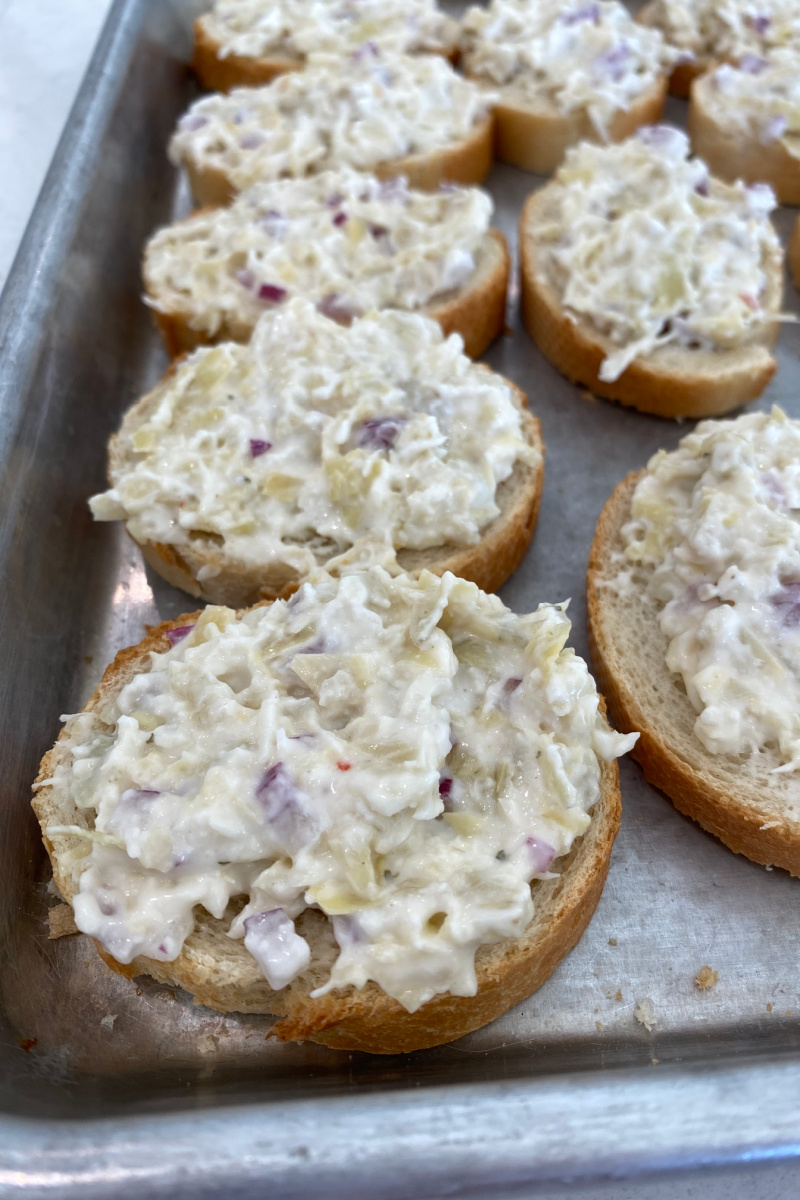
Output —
<point x="683" y="73"/>
<point x="731" y="154"/>
<point x="793" y="253"/>
<point x="235" y="70"/>
<point x="488" y="563"/>
<point x="467" y="161"/>
<point x="221" y="974"/>
<point x="241" y="70"/>
<point x="670" y="382"/>
<point x="536" y="137"/>
<point x="711" y="789"/>
<point x="477" y="311"/>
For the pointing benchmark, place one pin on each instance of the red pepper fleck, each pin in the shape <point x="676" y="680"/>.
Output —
<point x="344" y="766"/>
<point x="751" y="303"/>
<point x="27" y="1044"/>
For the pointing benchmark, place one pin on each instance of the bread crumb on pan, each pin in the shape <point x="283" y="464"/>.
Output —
<point x="706" y="978"/>
<point x="61" y="922"/>
<point x="645" y="1013"/>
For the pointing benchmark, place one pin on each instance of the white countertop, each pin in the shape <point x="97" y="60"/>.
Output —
<point x="45" y="46"/>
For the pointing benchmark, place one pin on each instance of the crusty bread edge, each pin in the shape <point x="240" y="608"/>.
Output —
<point x="683" y="73"/>
<point x="735" y="821"/>
<point x="467" y="161"/>
<point x="488" y="562"/>
<point x="476" y="311"/>
<point x="793" y="253"/>
<point x="578" y="352"/>
<point x="223" y="74"/>
<point x="536" y="137"/>
<point x="732" y="154"/>
<point x="368" y="1019"/>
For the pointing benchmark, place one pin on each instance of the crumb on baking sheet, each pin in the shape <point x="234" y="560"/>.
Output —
<point x="598" y="1025"/>
<point x="618" y="995"/>
<point x="705" y="979"/>
<point x="769" y="1008"/>
<point x="645" y="1013"/>
<point x="612" y="941"/>
<point x="61" y="921"/>
<point x="108" y="1021"/>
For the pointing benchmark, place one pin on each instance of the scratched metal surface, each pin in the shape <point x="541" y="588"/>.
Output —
<point x="80" y="1044"/>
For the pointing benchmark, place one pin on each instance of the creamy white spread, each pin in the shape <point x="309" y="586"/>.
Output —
<point x="372" y="108"/>
<point x="405" y="756"/>
<point x="296" y="28"/>
<point x="315" y="435"/>
<point x="641" y="242"/>
<point x="346" y="240"/>
<point x="726" y="29"/>
<point x="578" y="55"/>
<point x="717" y="524"/>
<point x="759" y="99"/>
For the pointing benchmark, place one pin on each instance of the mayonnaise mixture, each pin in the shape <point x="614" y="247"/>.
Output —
<point x="639" y="240"/>
<point x="760" y="98"/>
<point x="405" y="756"/>
<point x="345" y="240"/>
<point x="726" y="29"/>
<point x="574" y="54"/>
<point x="317" y="431"/>
<point x="718" y="523"/>
<point x="297" y="28"/>
<point x="372" y="108"/>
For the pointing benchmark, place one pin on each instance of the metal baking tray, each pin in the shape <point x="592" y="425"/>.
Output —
<point x="110" y="1085"/>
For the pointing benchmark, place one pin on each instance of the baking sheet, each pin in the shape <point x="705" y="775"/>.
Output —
<point x="569" y="1081"/>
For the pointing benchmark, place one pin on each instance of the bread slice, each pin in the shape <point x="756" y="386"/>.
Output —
<point x="733" y="798"/>
<point x="733" y="154"/>
<point x="220" y="973"/>
<point x="672" y="381"/>
<point x="222" y="74"/>
<point x="535" y="137"/>
<point x="476" y="311"/>
<point x="488" y="563"/>
<point x="683" y="73"/>
<point x="793" y="253"/>
<point x="467" y="161"/>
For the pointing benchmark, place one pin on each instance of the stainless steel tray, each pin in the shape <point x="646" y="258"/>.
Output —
<point x="173" y="1100"/>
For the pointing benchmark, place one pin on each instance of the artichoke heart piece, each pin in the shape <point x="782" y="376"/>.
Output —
<point x="314" y="669"/>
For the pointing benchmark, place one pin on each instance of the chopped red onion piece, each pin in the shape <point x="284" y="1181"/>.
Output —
<point x="274" y="223"/>
<point x="246" y="278"/>
<point x="258" y="447"/>
<point x="379" y="231"/>
<point x="270" y="293"/>
<point x="335" y="200"/>
<point x="396" y="188"/>
<point x="613" y="63"/>
<point x="752" y="64"/>
<point x="787" y="602"/>
<point x="380" y="433"/>
<point x="178" y="634"/>
<point x="541" y="854"/>
<point x="446" y="792"/>
<point x="192" y="122"/>
<point x="251" y="141"/>
<point x="702" y="188"/>
<point x="347" y="931"/>
<point x="511" y="685"/>
<point x="586" y="12"/>
<point x="760" y="23"/>
<point x="774" y="128"/>
<point x="336" y="308"/>
<point x="340" y="219"/>
<point x="279" y="951"/>
<point x="368" y="49"/>
<point x="285" y="808"/>
<point x="664" y="137"/>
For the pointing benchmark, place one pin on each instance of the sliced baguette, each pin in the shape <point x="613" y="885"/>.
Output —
<point x="476" y="311"/>
<point x="467" y="161"/>
<point x="670" y="382"/>
<point x="222" y="74"/>
<point x="488" y="563"/>
<point x="733" y="798"/>
<point x="535" y="137"/>
<point x="732" y="154"/>
<point x="683" y="73"/>
<point x="221" y="974"/>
